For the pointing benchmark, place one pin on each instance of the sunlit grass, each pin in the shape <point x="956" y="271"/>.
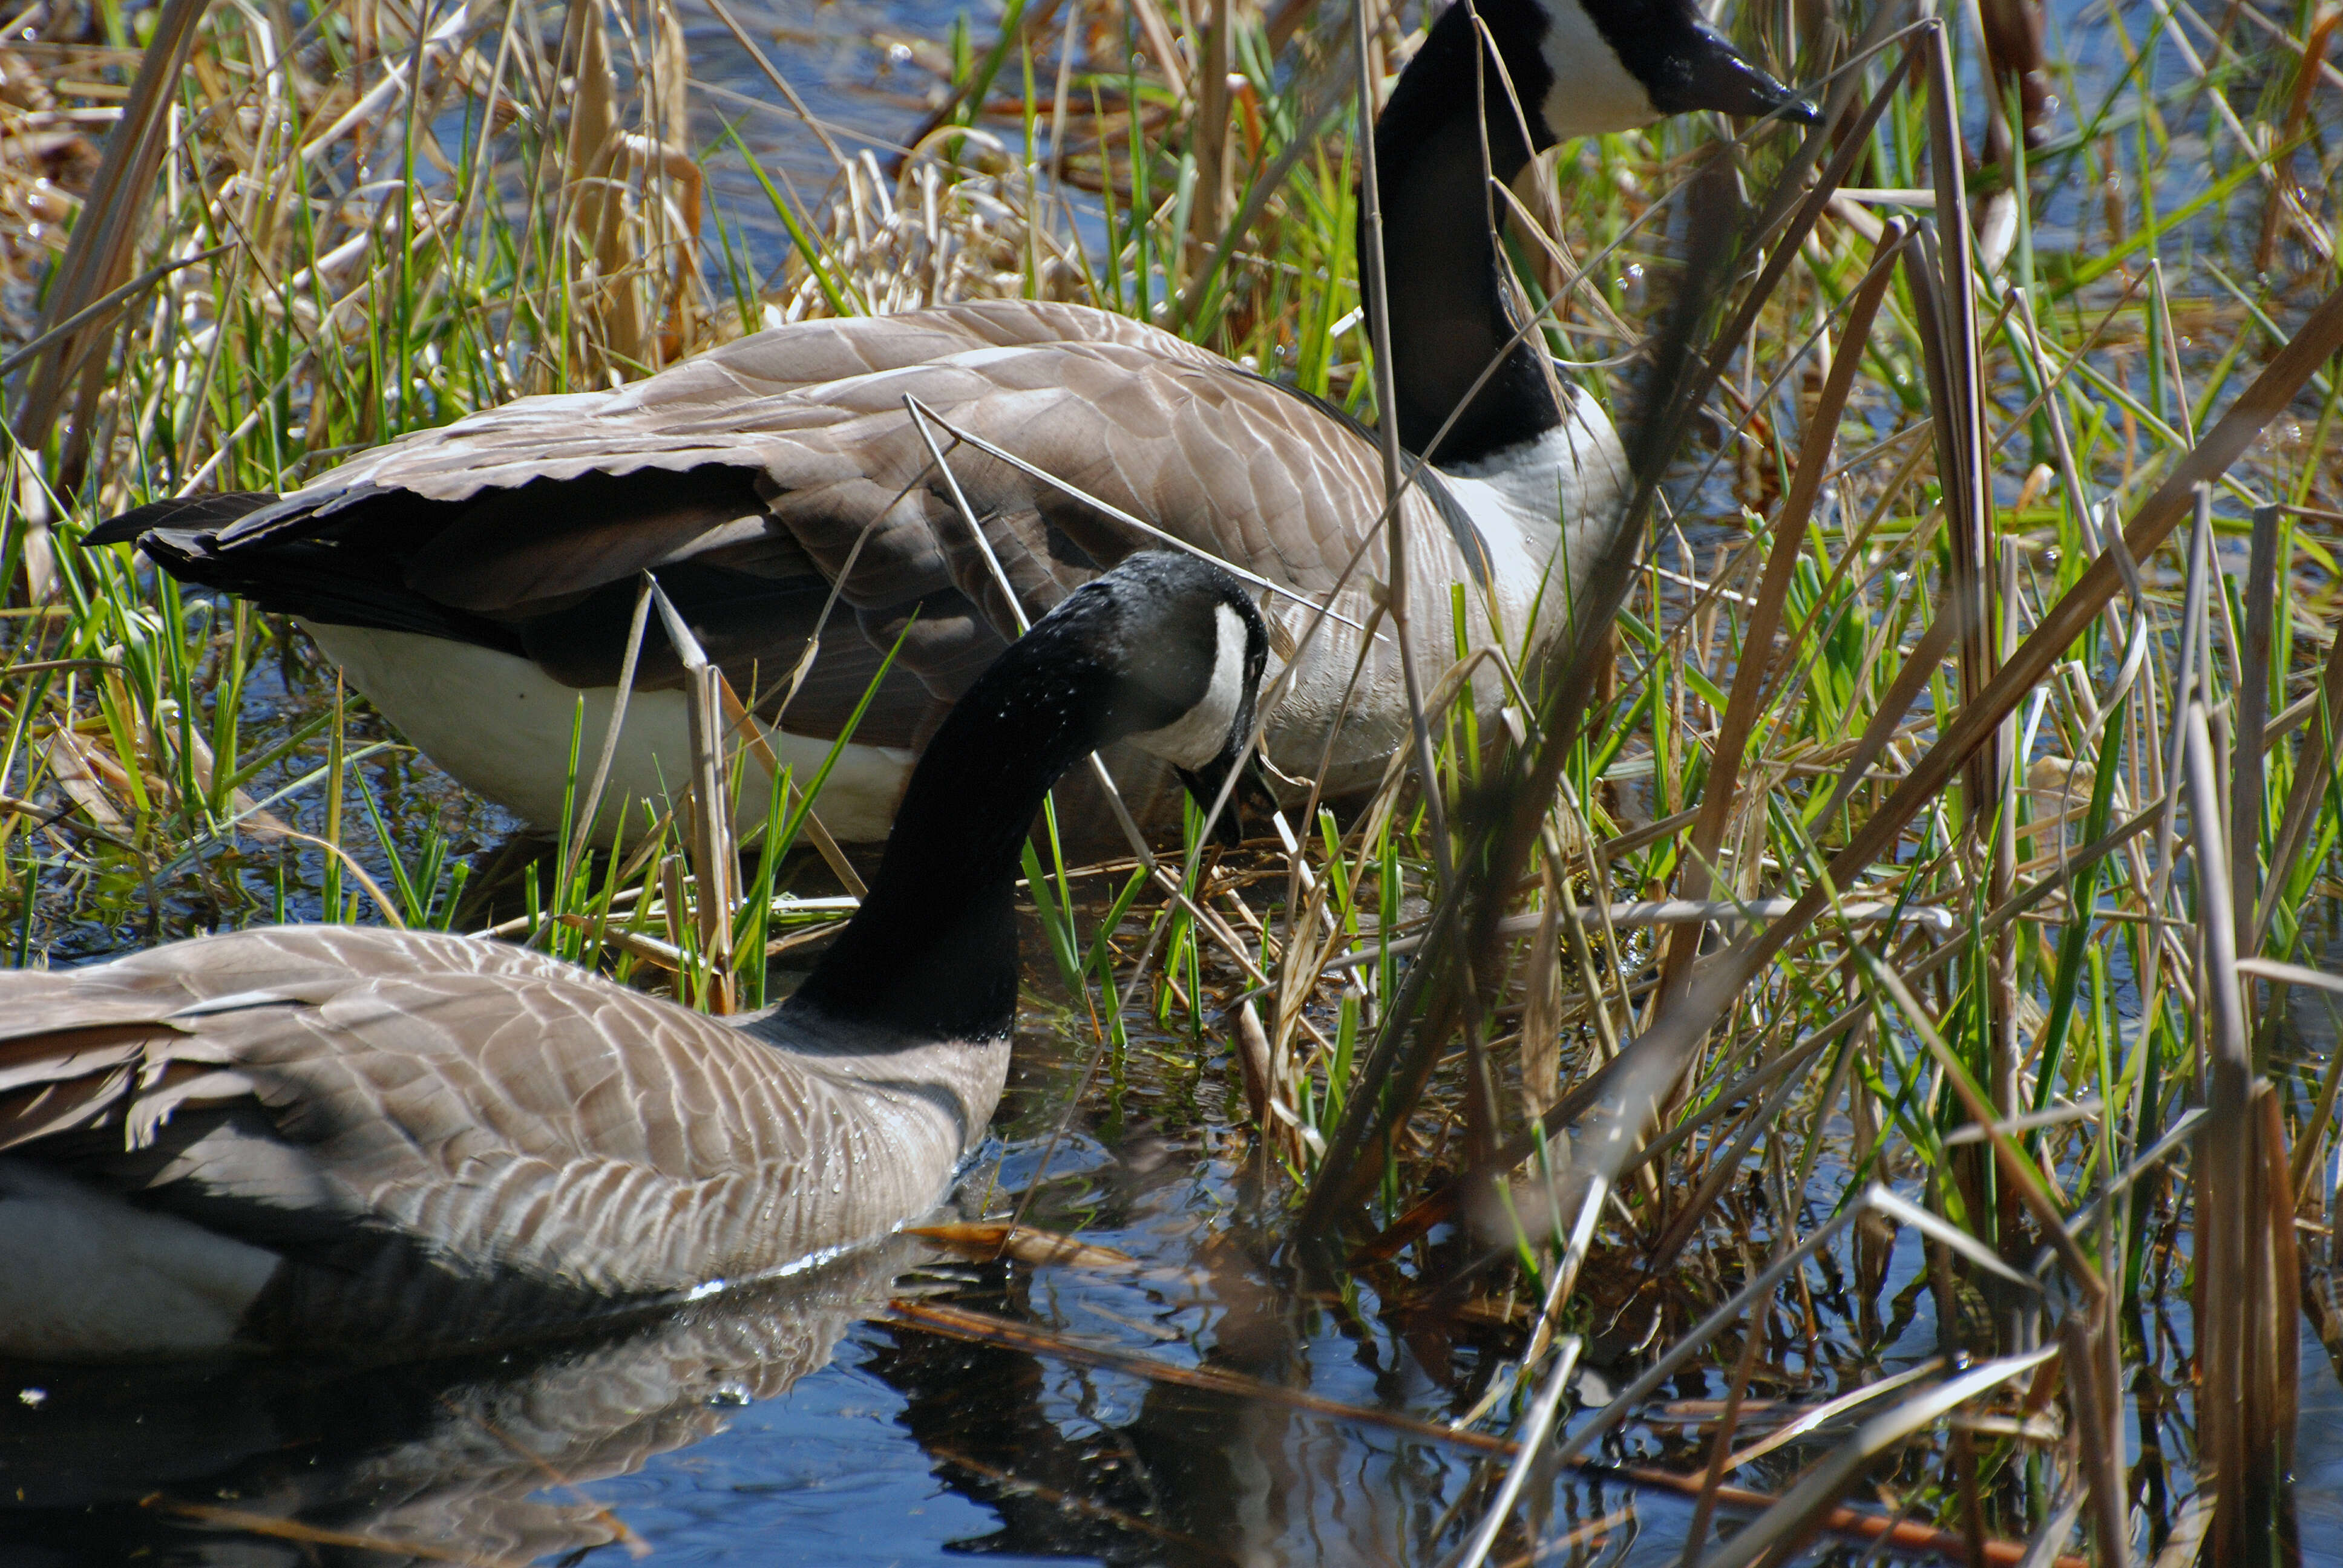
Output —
<point x="169" y="765"/>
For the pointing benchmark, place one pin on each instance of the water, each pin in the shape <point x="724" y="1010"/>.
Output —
<point x="862" y="68"/>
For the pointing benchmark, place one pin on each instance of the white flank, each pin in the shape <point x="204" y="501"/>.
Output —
<point x="502" y="725"/>
<point x="85" y="1275"/>
<point x="1196" y="737"/>
<point x="1592" y="93"/>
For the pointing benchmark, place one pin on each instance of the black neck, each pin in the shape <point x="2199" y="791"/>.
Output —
<point x="932" y="952"/>
<point x="1452" y="311"/>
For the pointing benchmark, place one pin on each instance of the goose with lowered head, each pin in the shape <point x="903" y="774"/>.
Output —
<point x="476" y="579"/>
<point x="387" y="1139"/>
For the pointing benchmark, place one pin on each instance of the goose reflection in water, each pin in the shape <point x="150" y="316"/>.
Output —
<point x="496" y="1458"/>
<point x="483" y="1458"/>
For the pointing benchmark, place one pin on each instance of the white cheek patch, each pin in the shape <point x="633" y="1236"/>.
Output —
<point x="1196" y="737"/>
<point x="1593" y="93"/>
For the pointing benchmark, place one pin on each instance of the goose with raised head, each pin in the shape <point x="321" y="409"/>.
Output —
<point x="475" y="580"/>
<point x="387" y="1139"/>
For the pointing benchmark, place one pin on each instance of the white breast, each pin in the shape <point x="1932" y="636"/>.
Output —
<point x="1543" y="508"/>
<point x="83" y="1273"/>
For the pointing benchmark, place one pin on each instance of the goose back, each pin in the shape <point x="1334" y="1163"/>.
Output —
<point x="561" y="1145"/>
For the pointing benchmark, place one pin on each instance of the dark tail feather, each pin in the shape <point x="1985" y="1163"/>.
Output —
<point x="189" y="514"/>
<point x="182" y="552"/>
<point x="315" y="581"/>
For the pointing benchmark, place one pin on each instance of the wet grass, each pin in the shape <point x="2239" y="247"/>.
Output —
<point x="1866" y="958"/>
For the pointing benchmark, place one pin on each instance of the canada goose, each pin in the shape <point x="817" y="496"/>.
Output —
<point x="386" y="1138"/>
<point x="475" y="580"/>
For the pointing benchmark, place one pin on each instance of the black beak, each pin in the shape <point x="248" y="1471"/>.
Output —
<point x="1204" y="783"/>
<point x="1712" y="75"/>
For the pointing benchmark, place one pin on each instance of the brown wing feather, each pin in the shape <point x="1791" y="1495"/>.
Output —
<point x="787" y="461"/>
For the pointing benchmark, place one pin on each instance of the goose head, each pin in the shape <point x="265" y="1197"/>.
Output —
<point x="1166" y="651"/>
<point x="1186" y="649"/>
<point x="1495" y="82"/>
<point x="1617" y="64"/>
<point x="1578" y="69"/>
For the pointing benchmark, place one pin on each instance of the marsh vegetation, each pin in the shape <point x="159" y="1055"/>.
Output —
<point x="1849" y="1049"/>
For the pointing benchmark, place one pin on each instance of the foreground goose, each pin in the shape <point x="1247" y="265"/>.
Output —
<point x="385" y="1140"/>
<point x="474" y="580"/>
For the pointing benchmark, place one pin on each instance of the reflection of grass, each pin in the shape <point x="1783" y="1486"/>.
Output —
<point x="2035" y="949"/>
